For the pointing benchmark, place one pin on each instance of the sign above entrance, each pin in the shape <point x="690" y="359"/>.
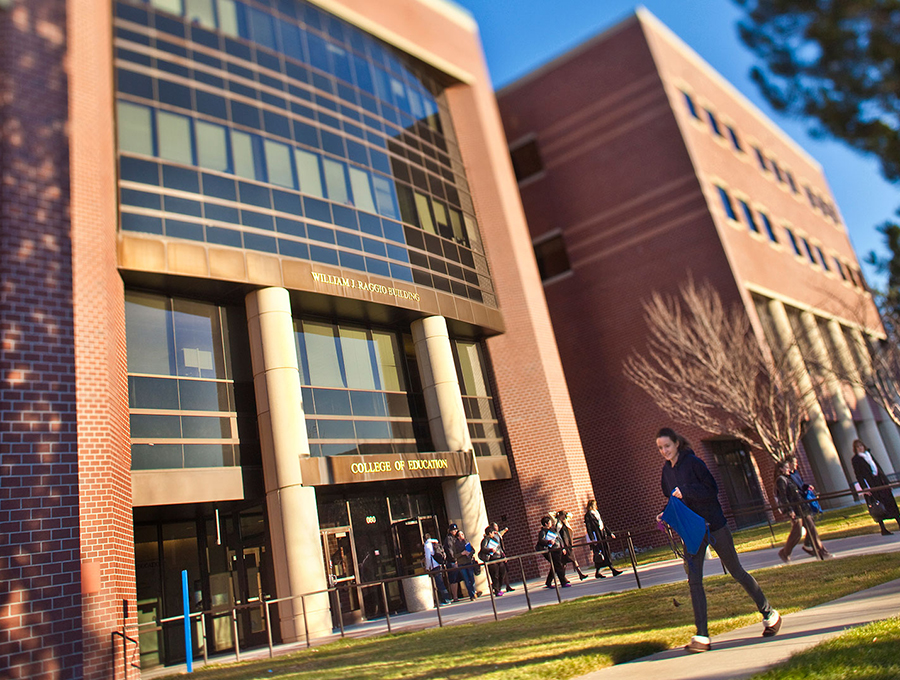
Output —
<point x="358" y="284"/>
<point x="326" y="470"/>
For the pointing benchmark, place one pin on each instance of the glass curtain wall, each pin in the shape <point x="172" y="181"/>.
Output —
<point x="300" y="135"/>
<point x="481" y="415"/>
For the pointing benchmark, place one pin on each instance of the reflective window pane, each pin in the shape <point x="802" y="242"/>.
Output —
<point x="335" y="180"/>
<point x="198" y="339"/>
<point x="174" y="135"/>
<point x="278" y="164"/>
<point x="200" y="12"/>
<point x="228" y="19"/>
<point x="357" y="359"/>
<point x="212" y="146"/>
<point x="362" y="190"/>
<point x="148" y="327"/>
<point x="135" y="128"/>
<point x="388" y="362"/>
<point x="308" y="173"/>
<point x="322" y="356"/>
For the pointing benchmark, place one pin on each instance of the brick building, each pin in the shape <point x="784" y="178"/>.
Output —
<point x="639" y="164"/>
<point x="269" y="313"/>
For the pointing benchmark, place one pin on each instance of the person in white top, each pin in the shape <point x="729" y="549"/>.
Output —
<point x="434" y="560"/>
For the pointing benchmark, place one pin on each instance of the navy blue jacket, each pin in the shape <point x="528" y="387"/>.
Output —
<point x="698" y="488"/>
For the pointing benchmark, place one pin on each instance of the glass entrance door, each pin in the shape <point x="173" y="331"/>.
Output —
<point x="741" y="482"/>
<point x="409" y="539"/>
<point x="340" y="567"/>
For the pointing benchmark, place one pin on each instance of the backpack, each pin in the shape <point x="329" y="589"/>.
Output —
<point x="439" y="555"/>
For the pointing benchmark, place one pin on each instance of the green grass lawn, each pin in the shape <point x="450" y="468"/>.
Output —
<point x="842" y="523"/>
<point x="572" y="638"/>
<point x="869" y="652"/>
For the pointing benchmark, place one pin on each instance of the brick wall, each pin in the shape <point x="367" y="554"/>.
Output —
<point x="107" y="537"/>
<point x="40" y="602"/>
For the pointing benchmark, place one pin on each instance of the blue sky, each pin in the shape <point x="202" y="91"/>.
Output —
<point x="519" y="35"/>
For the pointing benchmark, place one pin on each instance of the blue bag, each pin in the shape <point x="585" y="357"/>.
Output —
<point x="688" y="524"/>
<point x="813" y="503"/>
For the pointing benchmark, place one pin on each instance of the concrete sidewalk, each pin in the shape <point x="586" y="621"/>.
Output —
<point x="743" y="652"/>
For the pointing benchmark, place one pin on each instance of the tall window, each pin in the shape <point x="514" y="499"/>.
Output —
<point x="481" y="416"/>
<point x="552" y="258"/>
<point x="360" y="390"/>
<point x="748" y="214"/>
<point x="726" y="204"/>
<point x="180" y="384"/>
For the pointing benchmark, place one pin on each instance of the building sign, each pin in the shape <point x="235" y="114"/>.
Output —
<point x="357" y="284"/>
<point x="348" y="469"/>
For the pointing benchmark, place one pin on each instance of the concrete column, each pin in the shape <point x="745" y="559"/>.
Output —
<point x="292" y="513"/>
<point x="867" y="427"/>
<point x="824" y="458"/>
<point x="887" y="427"/>
<point x="844" y="430"/>
<point x="447" y="422"/>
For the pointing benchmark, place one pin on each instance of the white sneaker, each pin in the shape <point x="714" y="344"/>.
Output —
<point x="697" y="645"/>
<point x="771" y="624"/>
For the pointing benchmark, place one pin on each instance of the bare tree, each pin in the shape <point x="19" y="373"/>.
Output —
<point x="705" y="367"/>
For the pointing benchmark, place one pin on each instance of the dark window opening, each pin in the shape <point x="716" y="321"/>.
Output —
<point x="526" y="160"/>
<point x="552" y="259"/>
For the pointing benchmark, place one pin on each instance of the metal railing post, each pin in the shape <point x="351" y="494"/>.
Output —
<point x="630" y="548"/>
<point x="337" y="598"/>
<point x="524" y="582"/>
<point x="435" y="593"/>
<point x="237" y="642"/>
<point x="269" y="629"/>
<point x="205" y="639"/>
<point x="305" y="620"/>
<point x="387" y="614"/>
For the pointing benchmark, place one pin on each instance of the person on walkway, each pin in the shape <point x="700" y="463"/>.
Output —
<point x="434" y="562"/>
<point x="792" y="502"/>
<point x="805" y="488"/>
<point x="686" y="477"/>
<point x="453" y="575"/>
<point x="489" y="553"/>
<point x="465" y="557"/>
<point x="548" y="539"/>
<point x="501" y="533"/>
<point x="564" y="529"/>
<point x="598" y="535"/>
<point x="870" y="475"/>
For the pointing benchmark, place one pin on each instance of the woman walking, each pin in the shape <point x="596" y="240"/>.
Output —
<point x="792" y="501"/>
<point x="598" y="535"/>
<point x="870" y="475"/>
<point x="564" y="529"/>
<point x="686" y="477"/>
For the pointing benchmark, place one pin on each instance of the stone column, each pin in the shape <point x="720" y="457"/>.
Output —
<point x="890" y="436"/>
<point x="817" y="440"/>
<point x="292" y="514"/>
<point x="867" y="427"/>
<point x="447" y="422"/>
<point x="845" y="429"/>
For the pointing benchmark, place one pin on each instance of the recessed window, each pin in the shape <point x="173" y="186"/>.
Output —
<point x="714" y="123"/>
<point x="526" y="160"/>
<point x="690" y="104"/>
<point x="793" y="240"/>
<point x="840" y="268"/>
<point x="767" y="224"/>
<point x="726" y="204"/>
<point x="761" y="159"/>
<point x="777" y="171"/>
<point x="809" y="250"/>
<point x="732" y="133"/>
<point x="135" y="127"/>
<point x="790" y="179"/>
<point x="813" y="201"/>
<point x="822" y="259"/>
<point x="552" y="259"/>
<point x="748" y="214"/>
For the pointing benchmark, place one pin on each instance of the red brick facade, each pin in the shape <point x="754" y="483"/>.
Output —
<point x="40" y="601"/>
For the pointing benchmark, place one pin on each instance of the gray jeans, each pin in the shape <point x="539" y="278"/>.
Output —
<point x="723" y="544"/>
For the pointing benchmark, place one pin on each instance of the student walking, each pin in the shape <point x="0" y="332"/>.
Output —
<point x="792" y="501"/>
<point x="598" y="535"/>
<point x="686" y="477"/>
<point x="564" y="529"/>
<point x="548" y="539"/>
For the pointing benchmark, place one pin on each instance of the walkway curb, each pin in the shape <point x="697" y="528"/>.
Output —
<point x="744" y="652"/>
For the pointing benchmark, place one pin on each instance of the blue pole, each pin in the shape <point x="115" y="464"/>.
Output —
<point x="188" y="645"/>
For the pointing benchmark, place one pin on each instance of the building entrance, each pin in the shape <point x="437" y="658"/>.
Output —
<point x="224" y="549"/>
<point x="340" y="568"/>
<point x="741" y="481"/>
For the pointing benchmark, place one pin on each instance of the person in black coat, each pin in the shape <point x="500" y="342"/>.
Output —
<point x="598" y="535"/>
<point x="548" y="539"/>
<point x="870" y="475"/>
<point x="564" y="529"/>
<point x="686" y="477"/>
<point x="792" y="501"/>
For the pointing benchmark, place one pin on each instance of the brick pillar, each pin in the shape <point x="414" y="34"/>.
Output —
<point x="104" y="452"/>
<point x="40" y="601"/>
